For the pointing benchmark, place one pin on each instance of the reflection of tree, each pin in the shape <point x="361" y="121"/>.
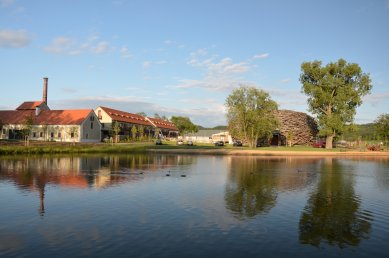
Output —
<point x="251" y="190"/>
<point x="332" y="213"/>
<point x="381" y="173"/>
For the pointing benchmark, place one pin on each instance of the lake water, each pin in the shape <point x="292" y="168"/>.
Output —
<point x="193" y="206"/>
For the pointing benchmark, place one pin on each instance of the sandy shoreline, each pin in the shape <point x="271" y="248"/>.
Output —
<point x="273" y="153"/>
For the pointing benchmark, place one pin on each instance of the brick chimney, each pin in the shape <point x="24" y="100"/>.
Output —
<point x="45" y="85"/>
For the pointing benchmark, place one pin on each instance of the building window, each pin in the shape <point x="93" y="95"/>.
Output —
<point x="4" y="131"/>
<point x="59" y="135"/>
<point x="86" y="136"/>
<point x="52" y="135"/>
<point x="99" y="116"/>
<point x="34" y="134"/>
<point x="40" y="134"/>
<point x="91" y="125"/>
<point x="92" y="118"/>
<point x="71" y="135"/>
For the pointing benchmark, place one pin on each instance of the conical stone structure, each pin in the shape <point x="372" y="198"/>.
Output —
<point x="298" y="128"/>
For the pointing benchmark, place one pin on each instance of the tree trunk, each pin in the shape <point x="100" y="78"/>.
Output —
<point x="329" y="140"/>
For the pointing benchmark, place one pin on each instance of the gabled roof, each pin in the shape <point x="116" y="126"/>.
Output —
<point x="162" y="123"/>
<point x="45" y="117"/>
<point x="126" y="117"/>
<point x="29" y="105"/>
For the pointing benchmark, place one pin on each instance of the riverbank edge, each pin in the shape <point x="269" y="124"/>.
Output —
<point x="150" y="148"/>
<point x="270" y="153"/>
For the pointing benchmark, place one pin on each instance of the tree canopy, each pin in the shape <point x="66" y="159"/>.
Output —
<point x="334" y="91"/>
<point x="141" y="113"/>
<point x="251" y="114"/>
<point x="184" y="124"/>
<point x="382" y="127"/>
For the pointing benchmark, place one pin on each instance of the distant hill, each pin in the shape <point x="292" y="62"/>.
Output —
<point x="365" y="131"/>
<point x="219" y="127"/>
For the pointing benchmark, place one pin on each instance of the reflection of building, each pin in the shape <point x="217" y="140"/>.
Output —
<point x="126" y="121"/>
<point x="36" y="121"/>
<point x="33" y="174"/>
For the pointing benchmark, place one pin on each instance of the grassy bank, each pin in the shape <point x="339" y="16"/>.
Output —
<point x="14" y="148"/>
<point x="69" y="149"/>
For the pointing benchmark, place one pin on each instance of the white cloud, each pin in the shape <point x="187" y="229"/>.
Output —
<point x="6" y="3"/>
<point x="376" y="98"/>
<point x="69" y="90"/>
<point x="212" y="115"/>
<point x="219" y="75"/>
<point x="69" y="46"/>
<point x="101" y="47"/>
<point x="147" y="64"/>
<point x="60" y="45"/>
<point x="125" y="53"/>
<point x="14" y="39"/>
<point x="168" y="42"/>
<point x="286" y="80"/>
<point x="261" y="56"/>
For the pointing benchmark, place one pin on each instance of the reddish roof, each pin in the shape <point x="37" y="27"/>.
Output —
<point x="46" y="117"/>
<point x="163" y="124"/>
<point x="15" y="116"/>
<point x="126" y="117"/>
<point x="62" y="117"/>
<point x="29" y="105"/>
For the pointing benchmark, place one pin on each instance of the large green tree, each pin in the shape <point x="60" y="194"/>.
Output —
<point x="382" y="127"/>
<point x="184" y="124"/>
<point x="334" y="91"/>
<point x="251" y="114"/>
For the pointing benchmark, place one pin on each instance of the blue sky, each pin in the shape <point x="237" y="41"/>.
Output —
<point x="185" y="57"/>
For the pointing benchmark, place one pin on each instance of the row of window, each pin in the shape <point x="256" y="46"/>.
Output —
<point x="59" y="135"/>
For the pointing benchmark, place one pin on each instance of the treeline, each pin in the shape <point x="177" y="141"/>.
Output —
<point x="364" y="132"/>
<point x="219" y="127"/>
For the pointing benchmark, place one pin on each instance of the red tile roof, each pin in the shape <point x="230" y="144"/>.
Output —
<point x="163" y="124"/>
<point x="29" y="105"/>
<point x="46" y="117"/>
<point x="126" y="117"/>
<point x="15" y="117"/>
<point x="62" y="117"/>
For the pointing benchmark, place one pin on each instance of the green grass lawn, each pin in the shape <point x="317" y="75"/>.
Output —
<point x="11" y="148"/>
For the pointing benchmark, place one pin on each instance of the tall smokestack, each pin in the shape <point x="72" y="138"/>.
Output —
<point x="45" y="85"/>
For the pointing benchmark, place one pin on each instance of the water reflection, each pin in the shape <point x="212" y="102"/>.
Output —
<point x="35" y="173"/>
<point x="255" y="182"/>
<point x="333" y="214"/>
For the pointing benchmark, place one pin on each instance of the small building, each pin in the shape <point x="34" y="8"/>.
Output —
<point x="201" y="136"/>
<point x="152" y="127"/>
<point x="222" y="136"/>
<point x="165" y="128"/>
<point x="35" y="120"/>
<point x="108" y="116"/>
<point x="51" y="125"/>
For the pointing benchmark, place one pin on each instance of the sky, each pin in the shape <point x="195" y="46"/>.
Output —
<point x="183" y="58"/>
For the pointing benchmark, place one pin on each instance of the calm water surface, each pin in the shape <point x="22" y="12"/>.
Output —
<point x="193" y="206"/>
